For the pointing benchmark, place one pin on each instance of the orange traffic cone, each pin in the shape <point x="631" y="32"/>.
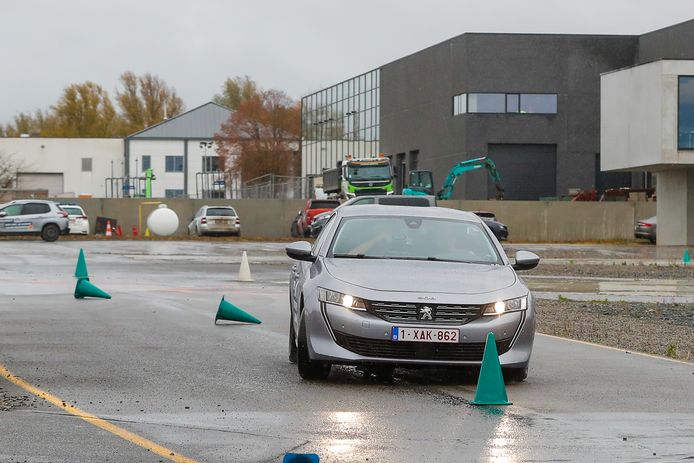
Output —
<point x="109" y="230"/>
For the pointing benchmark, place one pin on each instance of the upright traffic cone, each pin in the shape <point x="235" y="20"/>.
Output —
<point x="85" y="289"/>
<point x="81" y="269"/>
<point x="245" y="269"/>
<point x="491" y="389"/>
<point x="686" y="258"/>
<point x="228" y="311"/>
<point x="109" y="230"/>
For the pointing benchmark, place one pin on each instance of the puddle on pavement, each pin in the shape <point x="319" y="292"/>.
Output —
<point x="632" y="290"/>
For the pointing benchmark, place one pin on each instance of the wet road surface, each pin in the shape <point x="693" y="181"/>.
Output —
<point x="151" y="361"/>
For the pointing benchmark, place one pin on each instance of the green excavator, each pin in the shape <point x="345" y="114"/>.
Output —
<point x="422" y="181"/>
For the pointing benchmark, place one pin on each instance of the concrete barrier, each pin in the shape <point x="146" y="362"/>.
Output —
<point x="527" y="220"/>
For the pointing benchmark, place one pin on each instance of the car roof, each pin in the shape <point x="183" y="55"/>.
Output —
<point x="24" y="201"/>
<point x="433" y="212"/>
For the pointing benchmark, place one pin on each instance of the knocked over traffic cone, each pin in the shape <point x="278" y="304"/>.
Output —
<point x="245" y="270"/>
<point x="491" y="389"/>
<point x="228" y="311"/>
<point x="686" y="258"/>
<point x="301" y="458"/>
<point x="81" y="269"/>
<point x="85" y="289"/>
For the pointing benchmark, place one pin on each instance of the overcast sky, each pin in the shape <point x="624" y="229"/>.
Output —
<point x="295" y="45"/>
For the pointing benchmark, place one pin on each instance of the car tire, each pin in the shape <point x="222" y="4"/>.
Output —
<point x="652" y="240"/>
<point x="293" y="351"/>
<point x="517" y="375"/>
<point x="309" y="369"/>
<point x="50" y="232"/>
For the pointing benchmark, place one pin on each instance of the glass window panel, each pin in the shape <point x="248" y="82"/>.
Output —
<point x="512" y="102"/>
<point x="538" y="103"/>
<point x="686" y="113"/>
<point x="486" y="102"/>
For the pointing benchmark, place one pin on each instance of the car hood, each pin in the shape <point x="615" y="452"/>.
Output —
<point x="421" y="276"/>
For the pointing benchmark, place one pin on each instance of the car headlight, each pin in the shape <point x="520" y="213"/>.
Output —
<point x="510" y="305"/>
<point x="345" y="300"/>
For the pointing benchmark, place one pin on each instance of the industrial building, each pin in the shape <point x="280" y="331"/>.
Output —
<point x="529" y="101"/>
<point x="180" y="151"/>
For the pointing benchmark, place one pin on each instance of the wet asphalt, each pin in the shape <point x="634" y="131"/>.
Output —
<point x="152" y="361"/>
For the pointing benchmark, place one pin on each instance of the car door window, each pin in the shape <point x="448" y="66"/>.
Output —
<point x="11" y="211"/>
<point x="35" y="208"/>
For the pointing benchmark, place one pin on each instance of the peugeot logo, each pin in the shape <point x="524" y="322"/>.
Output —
<point x="425" y="313"/>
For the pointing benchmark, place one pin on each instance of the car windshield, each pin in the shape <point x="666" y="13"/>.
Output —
<point x="413" y="238"/>
<point x="368" y="172"/>
<point x="221" y="211"/>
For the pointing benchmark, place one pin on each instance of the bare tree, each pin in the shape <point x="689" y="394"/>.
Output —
<point x="8" y="171"/>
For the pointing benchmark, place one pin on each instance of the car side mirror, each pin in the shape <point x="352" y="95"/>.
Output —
<point x="3" y="213"/>
<point x="300" y="250"/>
<point x="526" y="260"/>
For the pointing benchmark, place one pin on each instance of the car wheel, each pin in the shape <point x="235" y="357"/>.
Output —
<point x="50" y="232"/>
<point x="517" y="375"/>
<point x="652" y="240"/>
<point x="309" y="369"/>
<point x="293" y="351"/>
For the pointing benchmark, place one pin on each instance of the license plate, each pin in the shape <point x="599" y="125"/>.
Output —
<point x="221" y="222"/>
<point x="421" y="334"/>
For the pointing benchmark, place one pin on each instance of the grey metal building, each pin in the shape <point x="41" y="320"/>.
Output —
<point x="529" y="101"/>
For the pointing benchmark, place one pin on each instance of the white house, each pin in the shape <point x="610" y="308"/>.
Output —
<point x="182" y="154"/>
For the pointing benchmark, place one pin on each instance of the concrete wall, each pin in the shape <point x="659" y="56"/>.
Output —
<point x="64" y="155"/>
<point x="639" y="110"/>
<point x="527" y="220"/>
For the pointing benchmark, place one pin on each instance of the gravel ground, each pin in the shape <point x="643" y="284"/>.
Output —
<point x="660" y="329"/>
<point x="662" y="272"/>
<point x="8" y="401"/>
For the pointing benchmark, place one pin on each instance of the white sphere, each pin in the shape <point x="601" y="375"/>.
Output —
<point x="162" y="221"/>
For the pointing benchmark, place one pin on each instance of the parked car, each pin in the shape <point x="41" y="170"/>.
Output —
<point x="499" y="229"/>
<point x="215" y="220"/>
<point x="312" y="209"/>
<point x="34" y="217"/>
<point x="407" y="286"/>
<point x="79" y="222"/>
<point x="390" y="200"/>
<point x="647" y="229"/>
<point x="294" y="229"/>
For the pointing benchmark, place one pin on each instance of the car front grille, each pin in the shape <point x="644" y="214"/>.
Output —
<point x="441" y="314"/>
<point x="371" y="191"/>
<point x="455" y="352"/>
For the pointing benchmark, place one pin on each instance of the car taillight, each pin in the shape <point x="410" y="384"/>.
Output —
<point x="83" y="217"/>
<point x="238" y="221"/>
<point x="203" y="220"/>
<point x="646" y="225"/>
<point x="63" y="213"/>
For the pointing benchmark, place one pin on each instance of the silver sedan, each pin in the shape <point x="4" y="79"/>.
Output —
<point x="407" y="286"/>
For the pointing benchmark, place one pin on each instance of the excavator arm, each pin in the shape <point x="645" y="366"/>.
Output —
<point x="465" y="166"/>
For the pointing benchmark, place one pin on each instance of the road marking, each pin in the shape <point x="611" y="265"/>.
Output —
<point x="618" y="349"/>
<point x="95" y="420"/>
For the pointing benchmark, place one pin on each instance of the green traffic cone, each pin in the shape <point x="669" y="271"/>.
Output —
<point x="491" y="389"/>
<point x="686" y="258"/>
<point x="85" y="289"/>
<point x="81" y="270"/>
<point x="228" y="311"/>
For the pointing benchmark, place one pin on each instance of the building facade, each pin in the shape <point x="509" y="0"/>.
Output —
<point x="531" y="102"/>
<point x="64" y="167"/>
<point x="180" y="151"/>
